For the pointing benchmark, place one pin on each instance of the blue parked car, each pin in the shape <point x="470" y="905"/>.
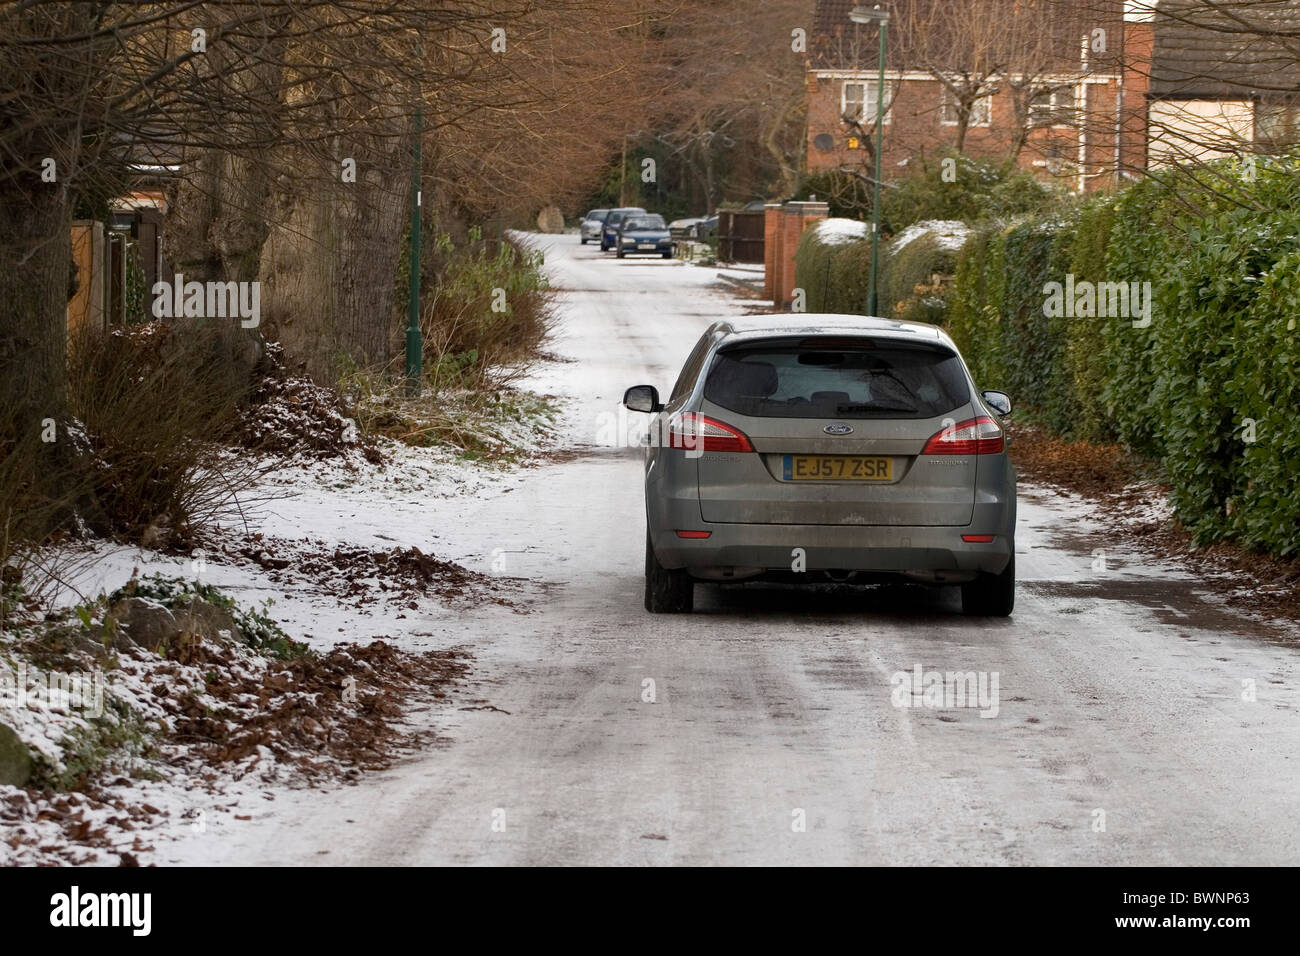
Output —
<point x="644" y="235"/>
<point x="609" y="232"/>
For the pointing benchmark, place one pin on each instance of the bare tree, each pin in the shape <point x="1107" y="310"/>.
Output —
<point x="729" y="108"/>
<point x="260" y="104"/>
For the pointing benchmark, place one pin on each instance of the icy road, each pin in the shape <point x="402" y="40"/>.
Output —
<point x="1125" y="718"/>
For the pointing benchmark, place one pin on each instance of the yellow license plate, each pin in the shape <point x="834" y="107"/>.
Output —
<point x="836" y="468"/>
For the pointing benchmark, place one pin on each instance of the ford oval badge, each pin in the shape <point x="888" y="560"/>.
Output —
<point x="839" y="428"/>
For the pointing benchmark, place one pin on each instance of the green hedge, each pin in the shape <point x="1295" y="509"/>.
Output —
<point x="1222" y="256"/>
<point x="835" y="276"/>
<point x="997" y="320"/>
<point x="907" y="289"/>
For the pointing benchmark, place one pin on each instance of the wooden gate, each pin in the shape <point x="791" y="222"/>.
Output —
<point x="740" y="235"/>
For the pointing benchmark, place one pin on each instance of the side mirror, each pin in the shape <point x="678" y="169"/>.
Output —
<point x="642" y="398"/>
<point x="1000" y="402"/>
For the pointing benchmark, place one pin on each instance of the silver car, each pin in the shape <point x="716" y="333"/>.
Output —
<point x="592" y="223"/>
<point x="827" y="447"/>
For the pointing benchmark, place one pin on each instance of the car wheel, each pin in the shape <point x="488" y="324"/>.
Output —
<point x="991" y="595"/>
<point x="666" y="592"/>
<point x="584" y="241"/>
<point x="668" y="255"/>
<point x="620" y="253"/>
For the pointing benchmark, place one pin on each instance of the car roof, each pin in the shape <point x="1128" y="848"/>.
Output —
<point x="815" y="323"/>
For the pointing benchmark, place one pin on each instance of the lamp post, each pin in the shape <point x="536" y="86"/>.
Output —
<point x="875" y="15"/>
<point x="414" y="340"/>
<point x="414" y="343"/>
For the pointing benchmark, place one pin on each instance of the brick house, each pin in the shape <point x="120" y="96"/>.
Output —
<point x="1222" y="79"/>
<point x="1082" y="92"/>
<point x="1040" y="80"/>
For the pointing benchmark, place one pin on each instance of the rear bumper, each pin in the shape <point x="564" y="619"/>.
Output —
<point x="745" y="550"/>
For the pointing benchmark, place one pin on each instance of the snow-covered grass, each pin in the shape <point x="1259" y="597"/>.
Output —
<point x="339" y="541"/>
<point x="297" y="513"/>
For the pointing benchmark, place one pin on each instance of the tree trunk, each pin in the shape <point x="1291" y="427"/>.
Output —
<point x="372" y="220"/>
<point x="35" y="281"/>
<point x="329" y="266"/>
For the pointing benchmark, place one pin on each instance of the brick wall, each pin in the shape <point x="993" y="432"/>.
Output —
<point x="771" y="219"/>
<point x="784" y="224"/>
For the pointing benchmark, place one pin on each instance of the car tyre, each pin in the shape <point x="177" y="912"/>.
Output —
<point x="666" y="592"/>
<point x="668" y="255"/>
<point x="991" y="595"/>
<point x="584" y="241"/>
<point x="620" y="253"/>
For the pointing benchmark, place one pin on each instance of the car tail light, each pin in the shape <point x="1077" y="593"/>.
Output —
<point x="695" y="432"/>
<point x="975" y="436"/>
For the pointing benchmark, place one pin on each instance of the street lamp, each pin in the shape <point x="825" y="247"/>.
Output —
<point x="414" y="339"/>
<point x="414" y="343"/>
<point x="875" y="15"/>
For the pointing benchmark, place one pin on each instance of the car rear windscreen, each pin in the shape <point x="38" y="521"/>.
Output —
<point x="873" y="380"/>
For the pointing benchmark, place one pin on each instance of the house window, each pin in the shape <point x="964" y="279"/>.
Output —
<point x="858" y="103"/>
<point x="981" y="111"/>
<point x="1053" y="107"/>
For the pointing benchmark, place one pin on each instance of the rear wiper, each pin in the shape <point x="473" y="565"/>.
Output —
<point x="888" y="373"/>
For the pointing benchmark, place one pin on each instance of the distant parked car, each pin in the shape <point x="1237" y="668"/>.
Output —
<point x="609" y="231"/>
<point x="684" y="228"/>
<point x="644" y="235"/>
<point x="592" y="223"/>
<point x="706" y="229"/>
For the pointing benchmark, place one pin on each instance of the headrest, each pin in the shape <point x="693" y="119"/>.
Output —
<point x="750" y="379"/>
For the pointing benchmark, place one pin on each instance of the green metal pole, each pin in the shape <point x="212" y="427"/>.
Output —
<point x="875" y="188"/>
<point x="414" y="342"/>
